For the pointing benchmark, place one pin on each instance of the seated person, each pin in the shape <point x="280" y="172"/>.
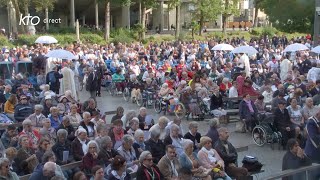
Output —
<point x="169" y="164"/>
<point x="119" y="80"/>
<point x="229" y="155"/>
<point x="283" y="123"/>
<point x="193" y="135"/>
<point x="148" y="170"/>
<point x="127" y="151"/>
<point x="155" y="145"/>
<point x="248" y="112"/>
<point x="9" y="106"/>
<point x="134" y="86"/>
<point x="23" y="109"/>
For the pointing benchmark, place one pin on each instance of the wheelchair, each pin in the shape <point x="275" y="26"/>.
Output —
<point x="265" y="132"/>
<point x="162" y="104"/>
<point x="113" y="91"/>
<point x="146" y="98"/>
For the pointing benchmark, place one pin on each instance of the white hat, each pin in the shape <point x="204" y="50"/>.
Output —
<point x="6" y="51"/>
<point x="47" y="97"/>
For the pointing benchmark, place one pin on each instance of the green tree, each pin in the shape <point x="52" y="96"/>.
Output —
<point x="206" y="10"/>
<point x="290" y="15"/>
<point x="228" y="8"/>
<point x="176" y="4"/>
<point x="44" y="6"/>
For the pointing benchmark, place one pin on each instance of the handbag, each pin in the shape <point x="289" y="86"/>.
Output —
<point x="251" y="163"/>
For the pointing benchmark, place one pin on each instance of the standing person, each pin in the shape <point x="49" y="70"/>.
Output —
<point x="98" y="67"/>
<point x="92" y="83"/>
<point x="53" y="79"/>
<point x="312" y="149"/>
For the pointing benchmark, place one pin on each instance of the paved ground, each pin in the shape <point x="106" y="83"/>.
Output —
<point x="272" y="159"/>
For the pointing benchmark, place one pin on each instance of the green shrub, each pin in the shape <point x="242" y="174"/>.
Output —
<point x="92" y="39"/>
<point x="26" y="39"/>
<point x="270" y="31"/>
<point x="122" y="36"/>
<point x="5" y="42"/>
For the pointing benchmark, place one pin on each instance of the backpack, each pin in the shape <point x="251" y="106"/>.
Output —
<point x="52" y="77"/>
<point x="251" y="164"/>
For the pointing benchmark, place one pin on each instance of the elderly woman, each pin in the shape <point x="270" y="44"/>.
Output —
<point x="55" y="117"/>
<point x="46" y="90"/>
<point x="128" y="117"/>
<point x="248" y="112"/>
<point x="127" y="151"/>
<point x="107" y="153"/>
<point x="155" y="145"/>
<point x="5" y="172"/>
<point x="225" y="86"/>
<point x="133" y="126"/>
<point x="79" y="144"/>
<point x="37" y="117"/>
<point x="44" y="145"/>
<point x="33" y="135"/>
<point x="119" y="114"/>
<point x="161" y="125"/>
<point x="11" y="154"/>
<point x="193" y="134"/>
<point x="148" y="170"/>
<point x="91" y="157"/>
<point x="309" y="109"/>
<point x="210" y="159"/>
<point x="213" y="130"/>
<point x="75" y="117"/>
<point x="259" y="103"/>
<point x="139" y="145"/>
<point x="26" y="159"/>
<point x="116" y="133"/>
<point x="88" y="125"/>
<point x="190" y="165"/>
<point x="217" y="105"/>
<point x="145" y="121"/>
<point x="62" y="145"/>
<point x="118" y="169"/>
<point x="175" y="138"/>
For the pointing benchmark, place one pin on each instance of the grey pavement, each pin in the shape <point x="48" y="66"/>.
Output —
<point x="272" y="159"/>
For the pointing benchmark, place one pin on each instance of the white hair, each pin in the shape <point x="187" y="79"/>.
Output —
<point x="187" y="143"/>
<point x="95" y="143"/>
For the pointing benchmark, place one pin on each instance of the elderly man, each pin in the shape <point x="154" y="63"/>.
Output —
<point x="161" y="125"/>
<point x="23" y="109"/>
<point x="229" y="155"/>
<point x="155" y="145"/>
<point x="65" y="124"/>
<point x="127" y="151"/>
<point x="92" y="83"/>
<point x="37" y="117"/>
<point x="79" y="144"/>
<point x="46" y="173"/>
<point x="193" y="135"/>
<point x="61" y="146"/>
<point x="169" y="164"/>
<point x="106" y="153"/>
<point x="145" y="121"/>
<point x="175" y="139"/>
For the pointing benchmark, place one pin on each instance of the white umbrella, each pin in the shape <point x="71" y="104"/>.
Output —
<point x="61" y="54"/>
<point x="222" y="47"/>
<point x="46" y="40"/>
<point x="316" y="50"/>
<point x="245" y="49"/>
<point x="295" y="47"/>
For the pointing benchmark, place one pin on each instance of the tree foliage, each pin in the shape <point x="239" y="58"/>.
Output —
<point x="229" y="8"/>
<point x="41" y="5"/>
<point x="290" y="15"/>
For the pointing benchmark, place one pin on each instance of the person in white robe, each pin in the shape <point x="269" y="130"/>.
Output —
<point x="244" y="62"/>
<point x="67" y="82"/>
<point x="285" y="67"/>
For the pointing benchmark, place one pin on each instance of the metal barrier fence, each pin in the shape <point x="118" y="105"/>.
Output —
<point x="291" y="172"/>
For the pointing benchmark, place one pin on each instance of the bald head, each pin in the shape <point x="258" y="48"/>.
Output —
<point x="49" y="169"/>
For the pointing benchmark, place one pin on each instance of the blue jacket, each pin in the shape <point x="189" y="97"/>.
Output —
<point x="313" y="133"/>
<point x="38" y="173"/>
<point x="244" y="109"/>
<point x="185" y="163"/>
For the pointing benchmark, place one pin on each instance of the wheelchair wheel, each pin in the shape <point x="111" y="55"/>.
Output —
<point x="259" y="135"/>
<point x="180" y="111"/>
<point x="126" y="94"/>
<point x="139" y="100"/>
<point x="158" y="106"/>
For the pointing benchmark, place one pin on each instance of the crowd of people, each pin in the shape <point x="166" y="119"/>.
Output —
<point x="57" y="128"/>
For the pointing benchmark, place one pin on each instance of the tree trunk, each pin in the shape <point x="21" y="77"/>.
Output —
<point x="21" y="28"/>
<point x="177" y="21"/>
<point x="143" y="23"/>
<point x="255" y="21"/>
<point x="224" y="19"/>
<point x="140" y="12"/>
<point x="47" y="18"/>
<point x="107" y="21"/>
<point x="201" y="23"/>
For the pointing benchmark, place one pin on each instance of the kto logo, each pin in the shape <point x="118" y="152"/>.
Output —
<point x="35" y="20"/>
<point x="29" y="20"/>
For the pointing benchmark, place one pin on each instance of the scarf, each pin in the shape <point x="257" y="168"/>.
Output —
<point x="142" y="145"/>
<point x="115" y="174"/>
<point x="117" y="136"/>
<point x="148" y="174"/>
<point x="210" y="154"/>
<point x="84" y="146"/>
<point x="249" y="105"/>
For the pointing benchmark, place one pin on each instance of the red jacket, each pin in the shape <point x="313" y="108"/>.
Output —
<point x="33" y="140"/>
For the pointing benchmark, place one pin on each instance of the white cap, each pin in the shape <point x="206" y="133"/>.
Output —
<point x="47" y="97"/>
